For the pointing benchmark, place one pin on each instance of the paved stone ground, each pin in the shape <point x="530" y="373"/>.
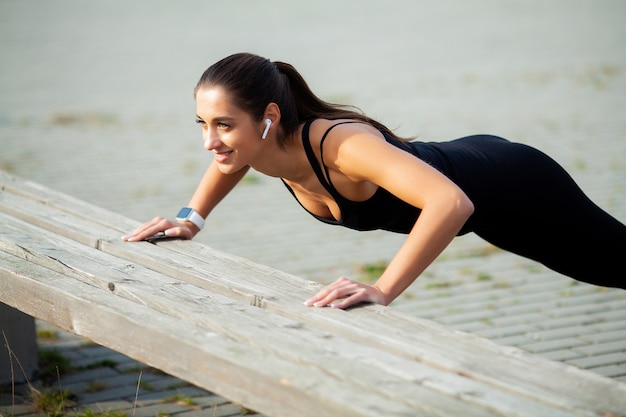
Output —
<point x="96" y="101"/>
<point x="102" y="380"/>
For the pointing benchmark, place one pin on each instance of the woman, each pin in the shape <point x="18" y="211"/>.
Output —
<point x="347" y="169"/>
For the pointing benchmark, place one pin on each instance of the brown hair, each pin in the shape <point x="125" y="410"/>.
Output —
<point x="254" y="82"/>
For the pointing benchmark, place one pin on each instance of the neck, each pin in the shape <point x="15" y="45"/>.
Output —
<point x="288" y="162"/>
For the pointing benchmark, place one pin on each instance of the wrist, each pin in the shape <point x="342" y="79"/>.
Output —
<point x="381" y="297"/>
<point x="190" y="215"/>
<point x="192" y="227"/>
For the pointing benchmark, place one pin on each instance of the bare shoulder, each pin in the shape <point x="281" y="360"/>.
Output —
<point x="350" y="145"/>
<point x="345" y="135"/>
<point x="341" y="128"/>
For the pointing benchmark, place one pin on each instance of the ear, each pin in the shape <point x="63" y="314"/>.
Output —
<point x="272" y="112"/>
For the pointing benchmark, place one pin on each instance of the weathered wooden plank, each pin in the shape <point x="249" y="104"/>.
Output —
<point x="79" y="209"/>
<point x="480" y="359"/>
<point x="420" y="386"/>
<point x="268" y="383"/>
<point x="429" y="343"/>
<point x="69" y="222"/>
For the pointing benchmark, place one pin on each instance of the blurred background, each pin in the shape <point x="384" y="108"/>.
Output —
<point x="96" y="101"/>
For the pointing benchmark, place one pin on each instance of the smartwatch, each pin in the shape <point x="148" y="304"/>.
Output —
<point x="187" y="214"/>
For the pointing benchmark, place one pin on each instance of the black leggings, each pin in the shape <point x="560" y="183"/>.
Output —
<point x="527" y="204"/>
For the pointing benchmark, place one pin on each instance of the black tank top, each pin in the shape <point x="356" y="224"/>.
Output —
<point x="382" y="211"/>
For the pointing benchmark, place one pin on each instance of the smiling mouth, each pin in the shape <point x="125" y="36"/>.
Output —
<point x="222" y="156"/>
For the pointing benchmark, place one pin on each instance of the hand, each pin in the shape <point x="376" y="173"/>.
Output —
<point x="175" y="229"/>
<point x="350" y="292"/>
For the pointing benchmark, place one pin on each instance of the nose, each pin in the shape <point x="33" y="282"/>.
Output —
<point x="211" y="141"/>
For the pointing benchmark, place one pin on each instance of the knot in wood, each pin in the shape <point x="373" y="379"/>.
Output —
<point x="111" y="286"/>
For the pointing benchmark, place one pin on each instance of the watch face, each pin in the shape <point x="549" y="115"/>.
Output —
<point x="184" y="213"/>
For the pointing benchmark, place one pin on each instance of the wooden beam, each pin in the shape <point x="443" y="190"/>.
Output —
<point x="243" y="330"/>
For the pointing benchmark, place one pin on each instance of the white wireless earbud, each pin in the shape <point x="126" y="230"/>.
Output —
<point x="268" y="123"/>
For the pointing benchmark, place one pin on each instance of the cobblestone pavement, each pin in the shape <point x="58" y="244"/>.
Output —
<point x="105" y="381"/>
<point x="95" y="101"/>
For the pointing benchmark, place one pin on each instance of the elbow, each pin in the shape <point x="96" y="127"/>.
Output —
<point x="467" y="206"/>
<point x="464" y="206"/>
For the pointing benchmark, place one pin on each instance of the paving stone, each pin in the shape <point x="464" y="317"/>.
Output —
<point x="506" y="331"/>
<point x="585" y="307"/>
<point x="465" y="317"/>
<point x="562" y="355"/>
<point x="164" y="382"/>
<point x="123" y="391"/>
<point x="569" y="321"/>
<point x="551" y="345"/>
<point x="610" y="371"/>
<point x="561" y="332"/>
<point x="518" y="319"/>
<point x="106" y="406"/>
<point x="609" y="326"/>
<point x="160" y="409"/>
<point x="516" y="307"/>
<point x="612" y="315"/>
<point x="132" y="365"/>
<point x="31" y="414"/>
<point x="602" y="348"/>
<point x="189" y="391"/>
<point x="9" y="410"/>
<point x="86" y="376"/>
<point x="225" y="410"/>
<point x="596" y="336"/>
<point x="599" y="360"/>
<point x="515" y="341"/>
<point x="71" y="352"/>
<point x="472" y="326"/>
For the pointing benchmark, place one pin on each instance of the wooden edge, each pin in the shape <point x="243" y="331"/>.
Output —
<point x="368" y="368"/>
<point x="29" y="190"/>
<point x="264" y="382"/>
<point x="412" y="337"/>
<point x="508" y="368"/>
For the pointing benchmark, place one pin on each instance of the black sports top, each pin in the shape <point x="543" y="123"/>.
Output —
<point x="382" y="211"/>
<point x="524" y="202"/>
<point x="485" y="167"/>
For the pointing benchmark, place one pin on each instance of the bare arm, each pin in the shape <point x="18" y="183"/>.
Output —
<point x="213" y="187"/>
<point x="445" y="208"/>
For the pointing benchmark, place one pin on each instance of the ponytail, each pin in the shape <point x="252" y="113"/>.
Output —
<point x="254" y="82"/>
<point x="309" y="106"/>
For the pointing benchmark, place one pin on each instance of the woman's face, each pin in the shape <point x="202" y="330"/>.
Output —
<point x="228" y="131"/>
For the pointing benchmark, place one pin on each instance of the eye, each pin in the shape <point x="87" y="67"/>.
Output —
<point x="199" y="121"/>
<point x="221" y="125"/>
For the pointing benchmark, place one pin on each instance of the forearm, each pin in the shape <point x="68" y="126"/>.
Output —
<point x="213" y="187"/>
<point x="431" y="234"/>
<point x="437" y="225"/>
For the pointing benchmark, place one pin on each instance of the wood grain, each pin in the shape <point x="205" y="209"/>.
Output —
<point x="240" y="329"/>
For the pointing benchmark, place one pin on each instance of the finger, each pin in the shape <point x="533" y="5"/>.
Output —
<point x="140" y="229"/>
<point x="328" y="299"/>
<point x="151" y="228"/>
<point x="341" y="288"/>
<point x="182" y="232"/>
<point x="364" y="294"/>
<point x="356" y="298"/>
<point x="157" y="236"/>
<point x="323" y="293"/>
